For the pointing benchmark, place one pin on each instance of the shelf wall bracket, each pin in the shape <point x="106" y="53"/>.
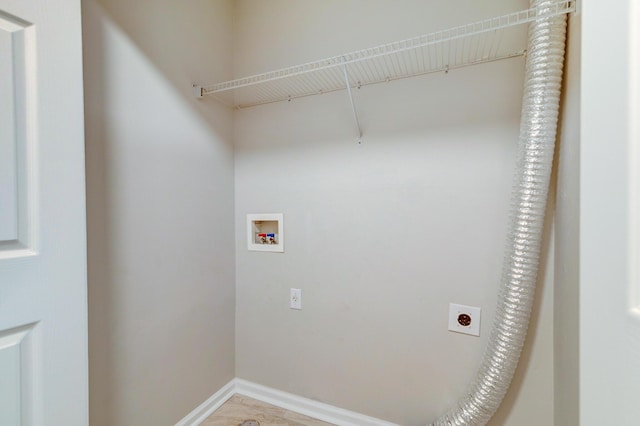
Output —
<point x="353" y="104"/>
<point x="197" y="91"/>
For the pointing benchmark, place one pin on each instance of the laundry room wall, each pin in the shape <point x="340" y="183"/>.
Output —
<point x="567" y="240"/>
<point x="380" y="236"/>
<point x="160" y="208"/>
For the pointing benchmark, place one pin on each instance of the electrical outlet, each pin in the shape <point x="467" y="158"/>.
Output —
<point x="464" y="319"/>
<point x="295" y="298"/>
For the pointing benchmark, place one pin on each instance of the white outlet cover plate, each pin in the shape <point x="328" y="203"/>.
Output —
<point x="455" y="310"/>
<point x="295" y="298"/>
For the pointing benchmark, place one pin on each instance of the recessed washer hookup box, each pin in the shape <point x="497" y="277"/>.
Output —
<point x="265" y="232"/>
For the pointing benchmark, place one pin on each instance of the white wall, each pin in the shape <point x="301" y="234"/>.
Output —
<point x="380" y="236"/>
<point x="567" y="220"/>
<point x="160" y="209"/>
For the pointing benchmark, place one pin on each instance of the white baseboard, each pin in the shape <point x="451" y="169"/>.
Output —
<point x="297" y="404"/>
<point x="207" y="408"/>
<point x="306" y="406"/>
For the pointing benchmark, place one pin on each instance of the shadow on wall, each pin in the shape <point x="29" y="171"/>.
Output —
<point x="159" y="188"/>
<point x="180" y="45"/>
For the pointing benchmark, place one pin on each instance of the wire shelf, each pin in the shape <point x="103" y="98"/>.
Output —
<point x="484" y="41"/>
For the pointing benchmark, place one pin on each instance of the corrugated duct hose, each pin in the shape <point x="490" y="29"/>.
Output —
<point x="540" y="105"/>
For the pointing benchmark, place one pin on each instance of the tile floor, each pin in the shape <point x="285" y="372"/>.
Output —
<point x="239" y="409"/>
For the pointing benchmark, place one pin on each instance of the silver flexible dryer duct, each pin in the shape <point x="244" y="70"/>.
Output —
<point x="545" y="56"/>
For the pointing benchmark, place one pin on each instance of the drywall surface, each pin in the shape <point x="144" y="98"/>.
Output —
<point x="160" y="209"/>
<point x="381" y="236"/>
<point x="566" y="288"/>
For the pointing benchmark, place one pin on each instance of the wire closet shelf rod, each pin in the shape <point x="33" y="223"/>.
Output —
<point x="456" y="47"/>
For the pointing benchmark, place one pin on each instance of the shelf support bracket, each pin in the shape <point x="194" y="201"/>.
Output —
<point x="353" y="104"/>
<point x="197" y="91"/>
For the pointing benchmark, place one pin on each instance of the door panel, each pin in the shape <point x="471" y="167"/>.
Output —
<point x="8" y="178"/>
<point x="43" y="337"/>
<point x="10" y="400"/>
<point x="16" y="370"/>
<point x="17" y="134"/>
<point x="609" y="214"/>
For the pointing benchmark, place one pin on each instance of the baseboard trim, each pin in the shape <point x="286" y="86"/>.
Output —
<point x="288" y="401"/>
<point x="306" y="406"/>
<point x="207" y="408"/>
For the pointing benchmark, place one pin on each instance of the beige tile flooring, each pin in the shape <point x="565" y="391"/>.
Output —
<point x="240" y="408"/>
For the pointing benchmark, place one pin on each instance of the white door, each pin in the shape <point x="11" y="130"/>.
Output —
<point x="43" y="318"/>
<point x="610" y="214"/>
